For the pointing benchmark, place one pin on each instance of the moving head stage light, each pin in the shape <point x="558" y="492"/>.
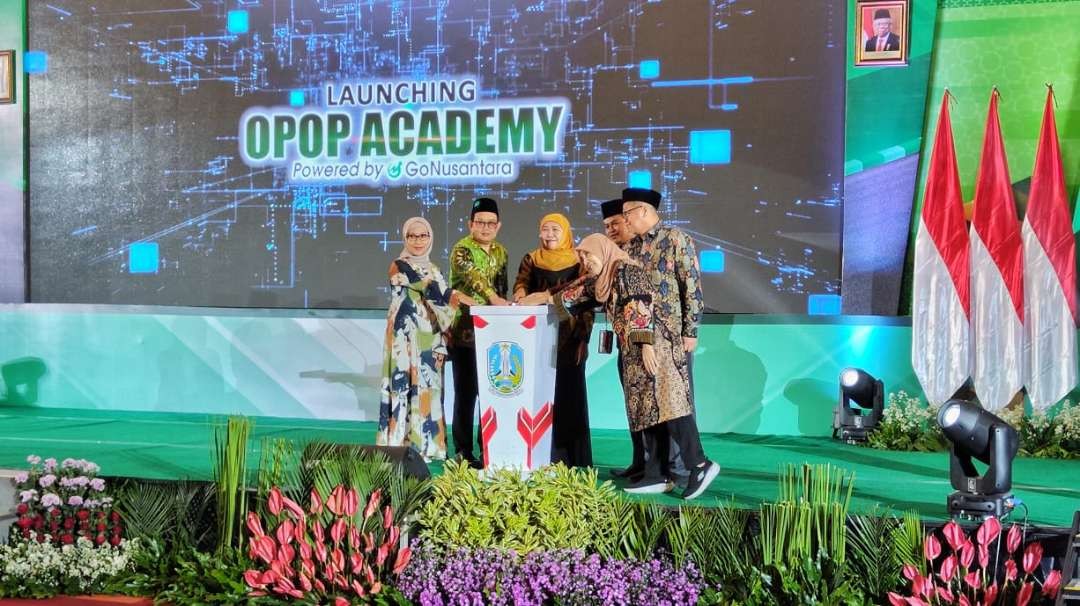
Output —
<point x="868" y="394"/>
<point x="978" y="434"/>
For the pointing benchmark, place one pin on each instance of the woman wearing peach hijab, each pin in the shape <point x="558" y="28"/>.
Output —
<point x="545" y="270"/>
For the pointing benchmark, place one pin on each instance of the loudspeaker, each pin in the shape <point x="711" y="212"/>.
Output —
<point x="407" y="460"/>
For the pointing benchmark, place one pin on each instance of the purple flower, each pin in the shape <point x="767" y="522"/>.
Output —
<point x="21" y="477"/>
<point x="75" y="500"/>
<point x="33" y="459"/>
<point x="47" y="480"/>
<point x="50" y="464"/>
<point x="50" y="500"/>
<point x="80" y="481"/>
<point x="27" y="495"/>
<point x="69" y="463"/>
<point x="97" y="484"/>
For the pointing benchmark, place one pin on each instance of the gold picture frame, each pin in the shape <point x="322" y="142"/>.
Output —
<point x="7" y="76"/>
<point x="882" y="32"/>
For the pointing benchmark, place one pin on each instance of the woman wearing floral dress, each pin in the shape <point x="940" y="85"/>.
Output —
<point x="421" y="310"/>
<point x="546" y="270"/>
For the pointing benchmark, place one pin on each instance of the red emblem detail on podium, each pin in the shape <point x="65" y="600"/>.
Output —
<point x="533" y="428"/>
<point x="479" y="322"/>
<point x="488" y="426"/>
<point x="529" y="322"/>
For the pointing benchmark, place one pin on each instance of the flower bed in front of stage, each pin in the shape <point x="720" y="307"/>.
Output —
<point x="327" y="524"/>
<point x="908" y="423"/>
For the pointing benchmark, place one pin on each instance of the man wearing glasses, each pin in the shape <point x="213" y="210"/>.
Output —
<point x="477" y="269"/>
<point x="670" y="257"/>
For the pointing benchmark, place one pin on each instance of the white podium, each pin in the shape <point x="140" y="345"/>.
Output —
<point x="515" y="363"/>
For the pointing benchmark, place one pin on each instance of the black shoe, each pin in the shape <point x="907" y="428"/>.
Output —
<point x="700" y="479"/>
<point x="470" y="459"/>
<point x="650" y="486"/>
<point x="628" y="472"/>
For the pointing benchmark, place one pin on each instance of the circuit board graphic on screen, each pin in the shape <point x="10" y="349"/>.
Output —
<point x="266" y="152"/>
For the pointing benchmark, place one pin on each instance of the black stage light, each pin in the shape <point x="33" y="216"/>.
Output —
<point x="976" y="433"/>
<point x="868" y="394"/>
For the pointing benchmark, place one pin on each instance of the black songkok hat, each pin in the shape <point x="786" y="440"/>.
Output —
<point x="882" y="13"/>
<point x="484" y="205"/>
<point x="611" y="208"/>
<point x="640" y="194"/>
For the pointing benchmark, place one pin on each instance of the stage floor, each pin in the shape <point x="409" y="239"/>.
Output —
<point x="173" y="446"/>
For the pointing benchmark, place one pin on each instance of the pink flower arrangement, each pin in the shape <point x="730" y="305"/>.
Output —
<point x="966" y="571"/>
<point x="61" y="503"/>
<point x="327" y="553"/>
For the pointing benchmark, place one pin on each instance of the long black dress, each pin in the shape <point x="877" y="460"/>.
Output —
<point x="570" y="440"/>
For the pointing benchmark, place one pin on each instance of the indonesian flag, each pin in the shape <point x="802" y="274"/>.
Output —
<point x="940" y="350"/>
<point x="1049" y="274"/>
<point x="997" y="276"/>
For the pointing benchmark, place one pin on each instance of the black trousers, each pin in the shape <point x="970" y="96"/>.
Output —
<point x="465" y="392"/>
<point x="657" y="440"/>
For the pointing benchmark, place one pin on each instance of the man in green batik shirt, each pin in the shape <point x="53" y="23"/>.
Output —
<point x="477" y="269"/>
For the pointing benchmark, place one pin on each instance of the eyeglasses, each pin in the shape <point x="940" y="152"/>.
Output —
<point x="626" y="213"/>
<point x="417" y="237"/>
<point x="486" y="224"/>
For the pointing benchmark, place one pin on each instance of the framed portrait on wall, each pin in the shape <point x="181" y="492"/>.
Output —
<point x="882" y="32"/>
<point x="7" y="76"/>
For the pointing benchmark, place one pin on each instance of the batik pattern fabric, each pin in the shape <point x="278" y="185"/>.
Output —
<point x="631" y="309"/>
<point x="670" y="257"/>
<point x="480" y="274"/>
<point x="411" y="406"/>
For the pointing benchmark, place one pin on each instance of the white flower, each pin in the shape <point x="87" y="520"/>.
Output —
<point x="33" y="459"/>
<point x="21" y="477"/>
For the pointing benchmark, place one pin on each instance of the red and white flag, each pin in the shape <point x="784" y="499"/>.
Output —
<point x="940" y="345"/>
<point x="997" y="276"/>
<point x="1049" y="274"/>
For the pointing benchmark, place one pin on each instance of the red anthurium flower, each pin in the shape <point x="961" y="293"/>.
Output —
<point x="946" y="595"/>
<point x="354" y="537"/>
<point x="358" y="589"/>
<point x="341" y="581"/>
<point x="948" y="568"/>
<point x="387" y="517"/>
<point x="369" y="542"/>
<point x="954" y="535"/>
<point x="315" y="503"/>
<point x="910" y="572"/>
<point x="896" y="599"/>
<point x="1010" y="570"/>
<point x="372" y="504"/>
<point x="376" y="588"/>
<point x="305" y="582"/>
<point x="991" y="594"/>
<point x="380" y="557"/>
<point x="1024" y="596"/>
<point x="337" y="531"/>
<point x="307" y="567"/>
<point x="268" y="577"/>
<point x="265" y="547"/>
<point x="305" y="551"/>
<point x="251" y="577"/>
<point x="964" y="601"/>
<point x="393" y="536"/>
<point x="984" y="556"/>
<point x="1052" y="584"/>
<point x="298" y="533"/>
<point x="988" y="531"/>
<point x="274" y="501"/>
<point x="254" y="524"/>
<point x="967" y="554"/>
<point x="357" y="563"/>
<point x="973" y="579"/>
<point x="284" y="532"/>
<point x="402" y="560"/>
<point x="351" y="502"/>
<point x="1014" y="538"/>
<point x="1032" y="557"/>
<point x="320" y="586"/>
<point x="931" y="547"/>
<point x="339" y="559"/>
<point x="340" y="601"/>
<point x="335" y="502"/>
<point x="294" y="508"/>
<point x="320" y="552"/>
<point x="369" y="574"/>
<point x="286" y="553"/>
<point x="283" y="569"/>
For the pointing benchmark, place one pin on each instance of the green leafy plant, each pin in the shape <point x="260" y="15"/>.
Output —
<point x="907" y="423"/>
<point x="720" y="543"/>
<point x="879" y="545"/>
<point x="230" y="478"/>
<point x="1046" y="436"/>
<point x="553" y="508"/>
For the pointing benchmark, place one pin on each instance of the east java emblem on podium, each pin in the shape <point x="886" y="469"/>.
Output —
<point x="505" y="367"/>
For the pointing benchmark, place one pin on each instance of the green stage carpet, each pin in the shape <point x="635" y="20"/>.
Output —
<point x="171" y="446"/>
